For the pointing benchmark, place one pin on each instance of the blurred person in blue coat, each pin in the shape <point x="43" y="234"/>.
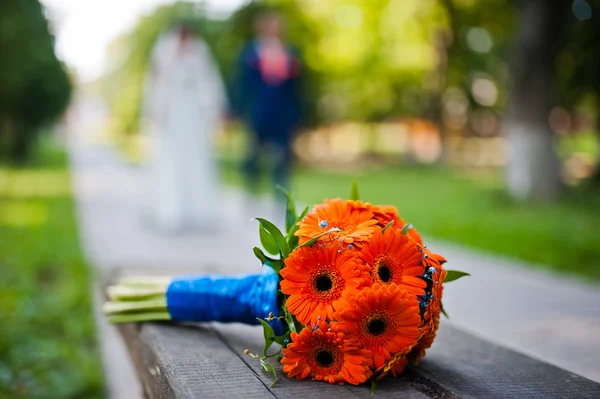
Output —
<point x="267" y="98"/>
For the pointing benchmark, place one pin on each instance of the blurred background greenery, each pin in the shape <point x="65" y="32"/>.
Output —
<point x="413" y="97"/>
<point x="421" y="100"/>
<point x="48" y="345"/>
<point x="48" y="342"/>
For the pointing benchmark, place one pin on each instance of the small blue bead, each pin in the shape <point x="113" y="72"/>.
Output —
<point x="432" y="270"/>
<point x="323" y="224"/>
<point x="286" y="340"/>
<point x="350" y="246"/>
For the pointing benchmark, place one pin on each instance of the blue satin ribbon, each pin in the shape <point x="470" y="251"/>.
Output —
<point x="225" y="299"/>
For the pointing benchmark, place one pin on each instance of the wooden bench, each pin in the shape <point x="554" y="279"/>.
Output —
<point x="207" y="360"/>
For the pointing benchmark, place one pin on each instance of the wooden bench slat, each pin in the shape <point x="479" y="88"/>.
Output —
<point x="206" y="360"/>
<point x="471" y="367"/>
<point x="176" y="361"/>
<point x="241" y="337"/>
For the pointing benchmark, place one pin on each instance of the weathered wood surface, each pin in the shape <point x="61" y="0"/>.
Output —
<point x="207" y="360"/>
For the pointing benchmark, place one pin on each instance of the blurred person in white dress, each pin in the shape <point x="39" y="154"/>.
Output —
<point x="184" y="100"/>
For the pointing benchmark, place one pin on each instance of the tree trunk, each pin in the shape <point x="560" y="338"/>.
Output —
<point x="533" y="170"/>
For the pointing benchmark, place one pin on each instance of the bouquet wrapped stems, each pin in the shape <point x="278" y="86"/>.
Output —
<point x="135" y="299"/>
<point x="202" y="298"/>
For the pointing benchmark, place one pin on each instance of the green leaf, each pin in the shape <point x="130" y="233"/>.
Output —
<point x="269" y="369"/>
<point x="290" y="321"/>
<point x="354" y="194"/>
<point x="293" y="242"/>
<point x="294" y="228"/>
<point x="374" y="386"/>
<point x="390" y="224"/>
<point x="444" y="312"/>
<point x="267" y="241"/>
<point x="260" y="255"/>
<point x="304" y="212"/>
<point x="454" y="275"/>
<point x="406" y="228"/>
<point x="290" y="212"/>
<point x="284" y="248"/>
<point x="291" y="237"/>
<point x="280" y="339"/>
<point x="269" y="335"/>
<point x="274" y="264"/>
<point x="293" y="324"/>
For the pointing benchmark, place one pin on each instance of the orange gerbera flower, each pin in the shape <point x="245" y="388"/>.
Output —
<point x="431" y="302"/>
<point x="326" y="356"/>
<point x="362" y="206"/>
<point x="383" y="318"/>
<point x="433" y="259"/>
<point x="424" y="343"/>
<point x="396" y="365"/>
<point x="337" y="219"/>
<point x="395" y="258"/>
<point x="386" y="213"/>
<point x="399" y="366"/>
<point x="316" y="279"/>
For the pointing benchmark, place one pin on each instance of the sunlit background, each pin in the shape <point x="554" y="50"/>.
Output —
<point x="419" y="100"/>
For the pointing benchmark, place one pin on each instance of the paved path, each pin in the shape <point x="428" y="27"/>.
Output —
<point x="108" y="194"/>
<point x="554" y="319"/>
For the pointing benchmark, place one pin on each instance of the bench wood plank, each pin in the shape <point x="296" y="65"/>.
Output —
<point x="176" y="361"/>
<point x="242" y="337"/>
<point x="207" y="360"/>
<point x="470" y="367"/>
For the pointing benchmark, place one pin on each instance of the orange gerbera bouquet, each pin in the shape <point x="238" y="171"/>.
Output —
<point x="350" y="293"/>
<point x="360" y="294"/>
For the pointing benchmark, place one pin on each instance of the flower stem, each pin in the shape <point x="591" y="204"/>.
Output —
<point x="137" y="317"/>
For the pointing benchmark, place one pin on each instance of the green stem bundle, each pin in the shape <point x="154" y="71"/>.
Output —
<point x="135" y="299"/>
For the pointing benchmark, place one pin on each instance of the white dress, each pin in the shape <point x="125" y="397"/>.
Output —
<point x="184" y="98"/>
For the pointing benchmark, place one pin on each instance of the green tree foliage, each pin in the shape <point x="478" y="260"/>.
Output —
<point x="578" y="66"/>
<point x="477" y="44"/>
<point x="34" y="86"/>
<point x="365" y="60"/>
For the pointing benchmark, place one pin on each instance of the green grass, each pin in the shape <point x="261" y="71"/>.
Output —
<point x="471" y="210"/>
<point x="48" y="346"/>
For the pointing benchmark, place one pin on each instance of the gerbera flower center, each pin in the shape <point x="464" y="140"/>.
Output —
<point x="324" y="358"/>
<point x="384" y="270"/>
<point x="323" y="283"/>
<point x="385" y="273"/>
<point x="326" y="285"/>
<point x="377" y="326"/>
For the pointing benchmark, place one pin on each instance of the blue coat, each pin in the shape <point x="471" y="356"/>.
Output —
<point x="272" y="110"/>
